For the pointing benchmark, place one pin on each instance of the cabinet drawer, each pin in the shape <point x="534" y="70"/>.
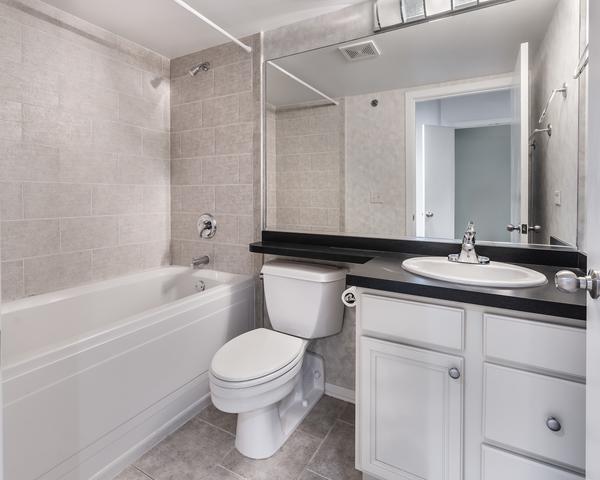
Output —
<point x="540" y="345"/>
<point x="412" y="321"/>
<point x="499" y="465"/>
<point x="517" y="406"/>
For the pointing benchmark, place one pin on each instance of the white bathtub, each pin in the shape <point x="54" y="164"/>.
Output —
<point x="94" y="375"/>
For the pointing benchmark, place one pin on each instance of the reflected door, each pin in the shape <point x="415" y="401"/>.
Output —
<point x="438" y="181"/>
<point x="520" y="146"/>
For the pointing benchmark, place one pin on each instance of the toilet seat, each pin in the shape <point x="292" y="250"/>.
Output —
<point x="256" y="357"/>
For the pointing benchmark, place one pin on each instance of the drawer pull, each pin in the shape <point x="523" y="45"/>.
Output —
<point x="454" y="373"/>
<point x="553" y="424"/>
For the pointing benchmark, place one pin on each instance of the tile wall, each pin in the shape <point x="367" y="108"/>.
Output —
<point x="84" y="152"/>
<point x="215" y="152"/>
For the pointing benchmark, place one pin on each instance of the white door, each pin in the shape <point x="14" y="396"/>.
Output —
<point x="411" y="412"/>
<point x="592" y="246"/>
<point x="520" y="145"/>
<point x="438" y="181"/>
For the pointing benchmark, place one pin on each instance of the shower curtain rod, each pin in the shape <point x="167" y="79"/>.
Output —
<point x="303" y="83"/>
<point x="212" y="24"/>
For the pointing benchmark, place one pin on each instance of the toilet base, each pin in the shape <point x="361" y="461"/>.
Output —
<point x="260" y="433"/>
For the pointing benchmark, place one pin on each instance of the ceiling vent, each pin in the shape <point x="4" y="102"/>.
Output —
<point x="360" y="51"/>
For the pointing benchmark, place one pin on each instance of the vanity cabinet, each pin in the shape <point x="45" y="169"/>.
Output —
<point x="450" y="391"/>
<point x="412" y="401"/>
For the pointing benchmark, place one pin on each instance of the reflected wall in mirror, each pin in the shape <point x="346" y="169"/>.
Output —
<point x="407" y="134"/>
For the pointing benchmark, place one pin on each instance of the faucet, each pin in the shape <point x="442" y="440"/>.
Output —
<point x="199" y="262"/>
<point x="467" y="253"/>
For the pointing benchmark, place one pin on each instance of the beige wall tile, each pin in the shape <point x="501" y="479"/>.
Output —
<point x="117" y="199"/>
<point x="233" y="258"/>
<point x="187" y="116"/>
<point x="220" y="170"/>
<point x="115" y="261"/>
<point x="156" y="254"/>
<point x="220" y="111"/>
<point x="118" y="138"/>
<point x="11" y="201"/>
<point x="236" y="199"/>
<point x="55" y="126"/>
<point x="88" y="232"/>
<point x="234" y="139"/>
<point x="156" y="199"/>
<point x="186" y="171"/>
<point x="86" y="100"/>
<point x="184" y="250"/>
<point x="29" y="238"/>
<point x="10" y="40"/>
<point x="115" y="75"/>
<point x="46" y="274"/>
<point x="156" y="144"/>
<point x="51" y="200"/>
<point x="10" y="111"/>
<point x="135" y="169"/>
<point x="12" y="280"/>
<point x="187" y="89"/>
<point x="197" y="143"/>
<point x="141" y="112"/>
<point x="193" y="199"/>
<point x="81" y="165"/>
<point x="143" y="228"/>
<point x="234" y="78"/>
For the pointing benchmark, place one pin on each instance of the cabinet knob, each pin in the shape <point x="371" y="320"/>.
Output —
<point x="553" y="424"/>
<point x="454" y="373"/>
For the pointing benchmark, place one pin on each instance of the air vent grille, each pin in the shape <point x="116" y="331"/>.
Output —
<point x="360" y="51"/>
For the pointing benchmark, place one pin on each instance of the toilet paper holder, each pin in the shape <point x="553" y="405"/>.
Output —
<point x="349" y="297"/>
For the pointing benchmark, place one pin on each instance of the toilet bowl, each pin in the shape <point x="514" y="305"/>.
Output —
<point x="267" y="376"/>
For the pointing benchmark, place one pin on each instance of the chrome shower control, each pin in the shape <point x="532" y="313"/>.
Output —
<point x="207" y="226"/>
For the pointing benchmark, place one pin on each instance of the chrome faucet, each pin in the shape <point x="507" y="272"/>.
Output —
<point x="467" y="253"/>
<point x="199" y="262"/>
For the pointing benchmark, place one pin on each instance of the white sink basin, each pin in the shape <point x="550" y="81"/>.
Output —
<point x="494" y="274"/>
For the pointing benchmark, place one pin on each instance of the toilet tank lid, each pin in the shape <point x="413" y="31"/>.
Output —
<point x="312" y="272"/>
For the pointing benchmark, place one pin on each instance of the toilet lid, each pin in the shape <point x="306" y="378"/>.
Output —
<point x="255" y="354"/>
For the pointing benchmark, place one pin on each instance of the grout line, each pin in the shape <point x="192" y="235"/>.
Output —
<point x="141" y="471"/>
<point x="315" y="473"/>
<point x="229" y="471"/>
<point x="215" y="426"/>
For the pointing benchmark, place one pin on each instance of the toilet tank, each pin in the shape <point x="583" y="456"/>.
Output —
<point x="304" y="299"/>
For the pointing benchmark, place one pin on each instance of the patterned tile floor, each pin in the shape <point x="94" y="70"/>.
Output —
<point x="322" y="447"/>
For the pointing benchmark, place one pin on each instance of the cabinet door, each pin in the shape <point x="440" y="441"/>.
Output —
<point x="411" y="412"/>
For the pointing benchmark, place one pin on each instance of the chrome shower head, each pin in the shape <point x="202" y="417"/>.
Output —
<point x="202" y="67"/>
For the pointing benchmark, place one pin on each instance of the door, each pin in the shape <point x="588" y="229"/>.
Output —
<point x="411" y="413"/>
<point x="520" y="145"/>
<point x="438" y="179"/>
<point x="592" y="246"/>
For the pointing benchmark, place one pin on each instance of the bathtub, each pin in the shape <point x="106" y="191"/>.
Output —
<point x="95" y="375"/>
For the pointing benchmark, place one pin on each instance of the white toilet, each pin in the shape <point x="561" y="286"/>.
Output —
<point x="266" y="376"/>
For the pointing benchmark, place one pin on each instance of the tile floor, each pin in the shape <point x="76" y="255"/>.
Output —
<point x="322" y="447"/>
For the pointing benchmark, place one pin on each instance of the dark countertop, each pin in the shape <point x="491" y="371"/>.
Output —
<point x="385" y="273"/>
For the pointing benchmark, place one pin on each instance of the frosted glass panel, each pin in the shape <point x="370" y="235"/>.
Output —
<point x="438" y="6"/>
<point x="413" y="9"/>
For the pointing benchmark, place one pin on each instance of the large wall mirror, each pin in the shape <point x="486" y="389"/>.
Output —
<point x="407" y="134"/>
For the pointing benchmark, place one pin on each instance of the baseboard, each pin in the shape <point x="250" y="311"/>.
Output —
<point x="340" y="393"/>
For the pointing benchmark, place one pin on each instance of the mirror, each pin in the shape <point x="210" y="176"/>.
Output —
<point x="415" y="131"/>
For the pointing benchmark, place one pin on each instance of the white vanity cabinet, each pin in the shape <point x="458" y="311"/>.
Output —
<point x="413" y="407"/>
<point x="449" y="391"/>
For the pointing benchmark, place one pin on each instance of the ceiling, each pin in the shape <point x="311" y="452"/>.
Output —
<point x="166" y="28"/>
<point x="478" y="43"/>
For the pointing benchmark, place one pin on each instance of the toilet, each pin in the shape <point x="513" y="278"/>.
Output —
<point x="266" y="376"/>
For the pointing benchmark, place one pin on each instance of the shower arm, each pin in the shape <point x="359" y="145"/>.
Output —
<point x="562" y="90"/>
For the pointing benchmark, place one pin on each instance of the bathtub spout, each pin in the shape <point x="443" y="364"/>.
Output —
<point x="199" y="262"/>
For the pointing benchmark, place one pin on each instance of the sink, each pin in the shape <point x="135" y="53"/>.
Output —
<point x="494" y="274"/>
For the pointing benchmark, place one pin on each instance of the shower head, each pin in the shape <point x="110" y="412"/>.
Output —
<point x="202" y="67"/>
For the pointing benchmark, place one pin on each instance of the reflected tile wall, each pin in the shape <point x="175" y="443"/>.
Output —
<point x="84" y="152"/>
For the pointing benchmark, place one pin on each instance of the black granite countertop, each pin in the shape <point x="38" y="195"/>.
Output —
<point x="386" y="273"/>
